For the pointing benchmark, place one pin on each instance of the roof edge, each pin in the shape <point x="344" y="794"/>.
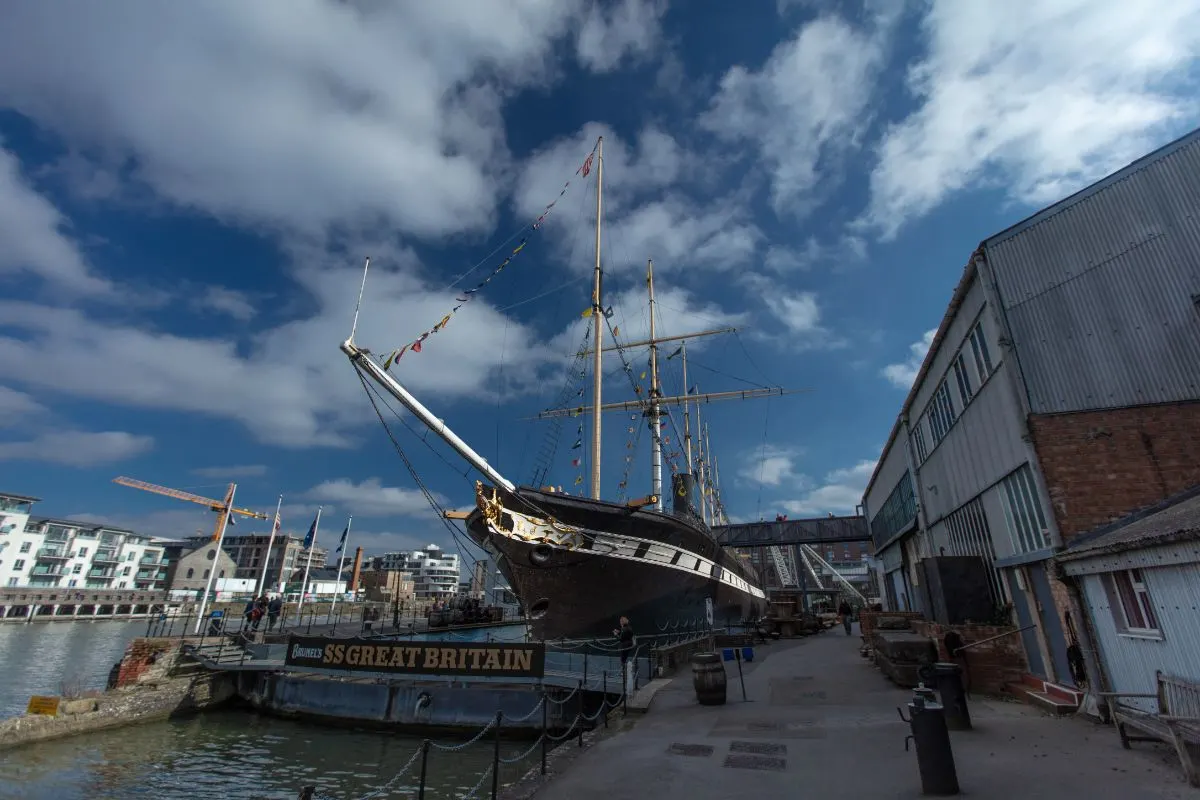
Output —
<point x="1079" y="546"/>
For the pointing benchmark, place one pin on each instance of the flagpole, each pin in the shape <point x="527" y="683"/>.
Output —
<point x="343" y="549"/>
<point x="308" y="563"/>
<point x="262" y="582"/>
<point x="212" y="572"/>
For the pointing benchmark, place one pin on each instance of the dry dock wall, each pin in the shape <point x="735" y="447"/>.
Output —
<point x="424" y="705"/>
<point x="152" y="683"/>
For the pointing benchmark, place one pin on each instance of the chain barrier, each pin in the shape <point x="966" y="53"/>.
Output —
<point x="532" y="711"/>
<point x="574" y="692"/>
<point x="387" y="787"/>
<point x="458" y="747"/>
<point x="486" y="774"/>
<point x="526" y="754"/>
<point x="566" y="735"/>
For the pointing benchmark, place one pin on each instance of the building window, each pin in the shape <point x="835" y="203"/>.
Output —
<point x="919" y="443"/>
<point x="78" y="568"/>
<point x="191" y="572"/>
<point x="979" y="350"/>
<point x="941" y="412"/>
<point x="25" y="546"/>
<point x="72" y="583"/>
<point x="1136" y="611"/>
<point x="963" y="379"/>
<point x="896" y="513"/>
<point x="19" y="564"/>
<point x="1023" y="512"/>
<point x="125" y="571"/>
<point x="206" y="573"/>
<point x="12" y="581"/>
<point x="82" y="552"/>
<point x="971" y="536"/>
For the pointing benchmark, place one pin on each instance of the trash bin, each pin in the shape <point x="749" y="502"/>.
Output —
<point x="949" y="681"/>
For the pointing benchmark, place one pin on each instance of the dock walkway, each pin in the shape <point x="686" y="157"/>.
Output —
<point x="831" y="717"/>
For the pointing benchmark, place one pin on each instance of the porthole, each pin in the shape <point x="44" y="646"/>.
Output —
<point x="539" y="608"/>
<point x="541" y="554"/>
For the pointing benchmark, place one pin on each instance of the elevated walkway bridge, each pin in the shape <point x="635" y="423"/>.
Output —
<point x="813" y="531"/>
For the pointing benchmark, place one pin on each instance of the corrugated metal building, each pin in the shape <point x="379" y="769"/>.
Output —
<point x="1141" y="585"/>
<point x="1060" y="392"/>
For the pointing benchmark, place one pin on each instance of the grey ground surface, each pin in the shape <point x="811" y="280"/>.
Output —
<point x="821" y="722"/>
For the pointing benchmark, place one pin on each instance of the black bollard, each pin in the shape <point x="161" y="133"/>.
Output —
<point x="949" y="681"/>
<point x="424" y="769"/>
<point x="935" y="758"/>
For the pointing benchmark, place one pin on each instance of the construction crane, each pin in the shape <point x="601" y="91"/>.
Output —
<point x="223" y="508"/>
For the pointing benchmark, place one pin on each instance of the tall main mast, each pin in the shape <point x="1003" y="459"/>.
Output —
<point x="655" y="412"/>
<point x="597" y="331"/>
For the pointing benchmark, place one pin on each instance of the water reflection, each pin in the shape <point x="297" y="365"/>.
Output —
<point x="39" y="658"/>
<point x="232" y="754"/>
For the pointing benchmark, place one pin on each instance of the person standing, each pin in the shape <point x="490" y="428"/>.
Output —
<point x="847" y="614"/>
<point x="625" y="639"/>
<point x="274" y="607"/>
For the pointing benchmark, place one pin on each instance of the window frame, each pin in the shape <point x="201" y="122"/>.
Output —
<point x="1129" y="591"/>
<point x="962" y="378"/>
<point x="984" y="365"/>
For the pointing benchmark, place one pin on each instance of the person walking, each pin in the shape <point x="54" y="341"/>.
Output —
<point x="274" y="607"/>
<point x="847" y="614"/>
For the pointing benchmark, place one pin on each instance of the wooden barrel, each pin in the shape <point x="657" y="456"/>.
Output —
<point x="708" y="676"/>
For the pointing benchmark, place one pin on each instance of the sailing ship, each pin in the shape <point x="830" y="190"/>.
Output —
<point x="577" y="563"/>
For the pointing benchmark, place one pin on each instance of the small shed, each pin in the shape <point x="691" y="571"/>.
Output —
<point x="1140" y="580"/>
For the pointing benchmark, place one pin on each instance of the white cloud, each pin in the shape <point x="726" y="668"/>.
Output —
<point x="33" y="233"/>
<point x="301" y="116"/>
<point x="773" y="465"/>
<point x="839" y="493"/>
<point x="646" y="213"/>
<point x="176" y="523"/>
<point x="77" y="448"/>
<point x="807" y="106"/>
<point x="17" y="406"/>
<point x="903" y="374"/>
<point x="220" y="300"/>
<point x="289" y="385"/>
<point x="231" y="473"/>
<point x="611" y="32"/>
<point x="371" y="498"/>
<point x="1041" y="97"/>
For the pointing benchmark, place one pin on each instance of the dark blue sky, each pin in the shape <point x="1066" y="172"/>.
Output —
<point x="186" y="198"/>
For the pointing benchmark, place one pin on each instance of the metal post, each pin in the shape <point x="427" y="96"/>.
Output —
<point x="585" y="666"/>
<point x="424" y="765"/>
<point x="738" y="654"/>
<point x="545" y="714"/>
<point x="311" y="613"/>
<point x="496" y="758"/>
<point x="604" y="700"/>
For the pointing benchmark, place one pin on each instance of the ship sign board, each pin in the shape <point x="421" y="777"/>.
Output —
<point x="465" y="659"/>
<point x="41" y="704"/>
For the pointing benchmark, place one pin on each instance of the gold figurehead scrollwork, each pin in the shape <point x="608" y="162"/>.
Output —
<point x="523" y="527"/>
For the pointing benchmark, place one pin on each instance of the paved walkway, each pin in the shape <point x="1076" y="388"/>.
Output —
<point x="835" y="715"/>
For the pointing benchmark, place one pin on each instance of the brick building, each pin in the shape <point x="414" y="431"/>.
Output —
<point x="1061" y="392"/>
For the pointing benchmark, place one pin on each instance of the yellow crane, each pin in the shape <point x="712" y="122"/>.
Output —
<point x="223" y="508"/>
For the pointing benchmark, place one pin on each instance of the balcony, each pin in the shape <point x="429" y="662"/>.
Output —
<point x="55" y="570"/>
<point x="106" y="557"/>
<point x="52" y="554"/>
<point x="100" y="575"/>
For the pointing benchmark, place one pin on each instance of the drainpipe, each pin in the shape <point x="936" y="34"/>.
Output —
<point x="922" y="516"/>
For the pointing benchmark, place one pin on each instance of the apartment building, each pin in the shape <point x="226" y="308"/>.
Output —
<point x="435" y="574"/>
<point x="49" y="553"/>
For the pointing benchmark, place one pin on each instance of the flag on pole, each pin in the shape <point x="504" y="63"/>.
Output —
<point x="342" y="541"/>
<point x="232" y="520"/>
<point x="278" y="523"/>
<point x="312" y="533"/>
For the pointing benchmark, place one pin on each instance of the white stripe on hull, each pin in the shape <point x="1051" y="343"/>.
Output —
<point x="520" y="527"/>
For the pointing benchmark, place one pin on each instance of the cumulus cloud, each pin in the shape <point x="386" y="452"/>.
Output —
<point x="773" y="465"/>
<point x="77" y="448"/>
<point x="838" y="493"/>
<point x="614" y="32"/>
<point x="902" y="374"/>
<point x="807" y="105"/>
<point x="1038" y="100"/>
<point x="35" y="235"/>
<point x="370" y="498"/>
<point x="16" y="407"/>
<point x="341" y="113"/>
<point x="221" y="300"/>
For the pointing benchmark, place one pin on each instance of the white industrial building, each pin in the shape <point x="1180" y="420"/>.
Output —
<point x="1059" y="393"/>
<point x="48" y="553"/>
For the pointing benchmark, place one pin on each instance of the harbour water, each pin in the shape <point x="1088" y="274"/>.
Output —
<point x="238" y="754"/>
<point x="48" y="657"/>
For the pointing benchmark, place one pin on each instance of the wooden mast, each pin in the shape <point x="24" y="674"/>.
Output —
<point x="597" y="329"/>
<point x="654" y="411"/>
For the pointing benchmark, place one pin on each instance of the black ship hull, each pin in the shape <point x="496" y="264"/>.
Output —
<point x="658" y="569"/>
